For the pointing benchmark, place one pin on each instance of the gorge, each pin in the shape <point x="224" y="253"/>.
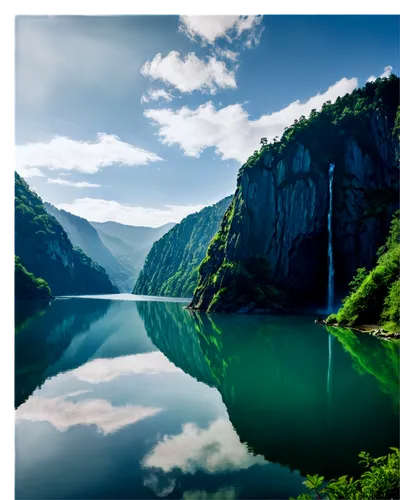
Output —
<point x="288" y="213"/>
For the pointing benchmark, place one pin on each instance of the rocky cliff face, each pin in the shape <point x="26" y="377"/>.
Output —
<point x="275" y="232"/>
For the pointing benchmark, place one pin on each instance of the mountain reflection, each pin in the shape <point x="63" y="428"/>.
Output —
<point x="272" y="374"/>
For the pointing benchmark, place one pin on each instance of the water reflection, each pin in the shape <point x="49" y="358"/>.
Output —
<point x="216" y="448"/>
<point x="272" y="374"/>
<point x="63" y="412"/>
<point x="144" y="399"/>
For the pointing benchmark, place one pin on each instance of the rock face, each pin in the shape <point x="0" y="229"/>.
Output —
<point x="280" y="209"/>
<point x="45" y="250"/>
<point x="171" y="266"/>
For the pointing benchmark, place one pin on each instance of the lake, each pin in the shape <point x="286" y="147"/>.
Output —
<point x="123" y="397"/>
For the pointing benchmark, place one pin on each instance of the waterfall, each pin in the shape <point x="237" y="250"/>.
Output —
<point x="331" y="271"/>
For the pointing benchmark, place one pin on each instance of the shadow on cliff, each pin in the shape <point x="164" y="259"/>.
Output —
<point x="292" y="392"/>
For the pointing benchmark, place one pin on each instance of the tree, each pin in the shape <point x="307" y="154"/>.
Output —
<point x="263" y="141"/>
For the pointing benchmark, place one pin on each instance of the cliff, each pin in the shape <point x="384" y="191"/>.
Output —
<point x="272" y="247"/>
<point x="171" y="266"/>
<point x="82" y="234"/>
<point x="46" y="251"/>
<point x="129" y="245"/>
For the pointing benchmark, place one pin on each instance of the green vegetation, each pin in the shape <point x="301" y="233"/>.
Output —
<point x="27" y="286"/>
<point x="350" y="113"/>
<point x="380" y="481"/>
<point x="375" y="295"/>
<point x="327" y="137"/>
<point x="171" y="267"/>
<point x="82" y="234"/>
<point x="46" y="251"/>
<point x="372" y="356"/>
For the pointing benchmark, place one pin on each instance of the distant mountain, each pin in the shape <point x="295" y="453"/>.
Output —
<point x="130" y="244"/>
<point x="45" y="249"/>
<point x="82" y="234"/>
<point x="171" y="266"/>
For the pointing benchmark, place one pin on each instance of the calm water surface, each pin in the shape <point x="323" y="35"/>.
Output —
<point x="140" y="398"/>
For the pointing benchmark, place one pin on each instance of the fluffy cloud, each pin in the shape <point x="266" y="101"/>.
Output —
<point x="190" y="73"/>
<point x="62" y="413"/>
<point x="209" y="28"/>
<point x="103" y="370"/>
<point x="229" y="130"/>
<point x="155" y="95"/>
<point x="214" y="449"/>
<point x="63" y="153"/>
<point x="63" y="182"/>
<point x="98" y="210"/>
<point x="387" y="71"/>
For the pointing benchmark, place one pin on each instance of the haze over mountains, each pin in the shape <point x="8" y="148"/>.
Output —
<point x="119" y="248"/>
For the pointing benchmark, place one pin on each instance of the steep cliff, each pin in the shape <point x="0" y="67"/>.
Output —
<point x="172" y="264"/>
<point x="82" y="234"/>
<point x="46" y="251"/>
<point x="272" y="247"/>
<point x="130" y="245"/>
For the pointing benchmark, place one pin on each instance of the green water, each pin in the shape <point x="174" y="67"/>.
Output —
<point x="119" y="399"/>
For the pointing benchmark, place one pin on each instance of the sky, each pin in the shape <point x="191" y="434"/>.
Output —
<point x="145" y="119"/>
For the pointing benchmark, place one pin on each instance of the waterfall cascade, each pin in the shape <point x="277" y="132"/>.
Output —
<point x="331" y="268"/>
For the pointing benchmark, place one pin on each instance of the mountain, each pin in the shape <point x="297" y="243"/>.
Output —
<point x="171" y="266"/>
<point x="273" y="243"/>
<point x="129" y="244"/>
<point x="45" y="250"/>
<point x="27" y="286"/>
<point x="82" y="234"/>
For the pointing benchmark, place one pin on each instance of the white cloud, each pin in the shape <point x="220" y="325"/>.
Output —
<point x="63" y="153"/>
<point x="98" y="210"/>
<point x="209" y="28"/>
<point x="229" y="129"/>
<point x="216" y="448"/>
<point x="190" y="73"/>
<point x="62" y="413"/>
<point x="63" y="182"/>
<point x="155" y="95"/>
<point x="104" y="370"/>
<point x="387" y="71"/>
<point x="227" y="54"/>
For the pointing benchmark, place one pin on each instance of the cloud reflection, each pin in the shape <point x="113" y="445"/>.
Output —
<point x="214" y="449"/>
<point x="104" y="370"/>
<point x="62" y="413"/>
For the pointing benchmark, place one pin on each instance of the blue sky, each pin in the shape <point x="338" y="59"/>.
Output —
<point x="144" y="119"/>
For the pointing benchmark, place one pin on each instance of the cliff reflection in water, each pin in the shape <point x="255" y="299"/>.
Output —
<point x="291" y="395"/>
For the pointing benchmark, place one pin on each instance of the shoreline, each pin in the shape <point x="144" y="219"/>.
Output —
<point x="374" y="330"/>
